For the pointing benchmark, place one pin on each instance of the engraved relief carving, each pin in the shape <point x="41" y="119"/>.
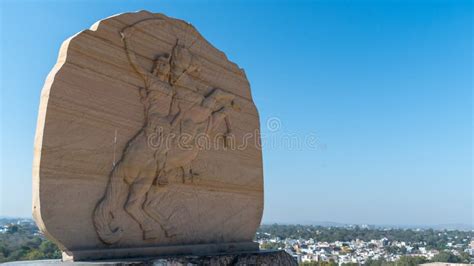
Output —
<point x="169" y="117"/>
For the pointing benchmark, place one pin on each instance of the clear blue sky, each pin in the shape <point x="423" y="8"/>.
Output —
<point x="385" y="86"/>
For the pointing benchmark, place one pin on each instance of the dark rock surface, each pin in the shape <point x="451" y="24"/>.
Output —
<point x="277" y="257"/>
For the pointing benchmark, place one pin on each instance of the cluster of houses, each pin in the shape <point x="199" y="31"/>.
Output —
<point x="355" y="251"/>
<point x="7" y="224"/>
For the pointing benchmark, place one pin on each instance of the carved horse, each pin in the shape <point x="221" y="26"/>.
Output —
<point x="140" y="164"/>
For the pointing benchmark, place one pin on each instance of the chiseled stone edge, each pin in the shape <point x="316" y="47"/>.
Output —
<point x="120" y="253"/>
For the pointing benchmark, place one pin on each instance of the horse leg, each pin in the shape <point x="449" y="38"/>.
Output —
<point x="188" y="174"/>
<point x="217" y="118"/>
<point x="135" y="203"/>
<point x="150" y="208"/>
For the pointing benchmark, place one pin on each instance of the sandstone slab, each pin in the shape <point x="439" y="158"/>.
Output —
<point x="147" y="137"/>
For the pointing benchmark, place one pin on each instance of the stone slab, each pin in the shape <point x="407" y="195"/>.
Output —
<point x="119" y="158"/>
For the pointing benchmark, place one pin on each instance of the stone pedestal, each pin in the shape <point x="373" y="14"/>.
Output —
<point x="195" y="250"/>
<point x="277" y="257"/>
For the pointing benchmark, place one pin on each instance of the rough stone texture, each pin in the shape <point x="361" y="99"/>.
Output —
<point x="255" y="258"/>
<point x="147" y="136"/>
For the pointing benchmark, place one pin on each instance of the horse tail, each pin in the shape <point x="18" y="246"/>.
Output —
<point x="105" y="210"/>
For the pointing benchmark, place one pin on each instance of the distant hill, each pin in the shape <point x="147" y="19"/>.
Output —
<point x="459" y="226"/>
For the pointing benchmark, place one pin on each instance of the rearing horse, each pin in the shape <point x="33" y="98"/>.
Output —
<point x="141" y="163"/>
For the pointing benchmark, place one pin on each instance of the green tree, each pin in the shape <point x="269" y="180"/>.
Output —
<point x="33" y="255"/>
<point x="411" y="261"/>
<point x="444" y="256"/>
<point x="465" y="258"/>
<point x="12" y="229"/>
<point x="50" y="250"/>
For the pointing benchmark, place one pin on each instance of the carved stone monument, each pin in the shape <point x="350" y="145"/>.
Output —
<point x="147" y="144"/>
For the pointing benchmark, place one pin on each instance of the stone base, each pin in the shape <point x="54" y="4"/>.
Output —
<point x="120" y="253"/>
<point x="269" y="258"/>
<point x="274" y="257"/>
